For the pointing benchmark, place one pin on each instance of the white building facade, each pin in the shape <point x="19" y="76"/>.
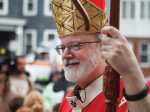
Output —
<point x="135" y="25"/>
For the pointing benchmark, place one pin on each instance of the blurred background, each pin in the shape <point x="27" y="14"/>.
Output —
<point x="28" y="38"/>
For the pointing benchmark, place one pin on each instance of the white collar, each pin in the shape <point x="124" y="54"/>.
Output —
<point x="93" y="90"/>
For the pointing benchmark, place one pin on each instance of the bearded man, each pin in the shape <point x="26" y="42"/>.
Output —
<point x="86" y="45"/>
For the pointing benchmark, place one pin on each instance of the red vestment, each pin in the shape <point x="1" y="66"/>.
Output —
<point x="97" y="105"/>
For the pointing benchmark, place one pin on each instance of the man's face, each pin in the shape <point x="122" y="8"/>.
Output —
<point x="80" y="61"/>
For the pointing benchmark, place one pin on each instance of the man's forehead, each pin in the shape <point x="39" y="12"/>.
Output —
<point x="76" y="38"/>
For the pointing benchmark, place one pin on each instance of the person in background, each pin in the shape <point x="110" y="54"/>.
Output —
<point x="19" y="79"/>
<point x="16" y="103"/>
<point x="88" y="44"/>
<point x="5" y="94"/>
<point x="34" y="102"/>
<point x="54" y="91"/>
<point x="18" y="66"/>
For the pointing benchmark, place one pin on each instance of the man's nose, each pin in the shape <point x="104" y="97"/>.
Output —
<point x="67" y="53"/>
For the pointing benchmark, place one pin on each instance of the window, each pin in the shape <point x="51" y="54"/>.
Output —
<point x="148" y="10"/>
<point x="128" y="9"/>
<point x="49" y="35"/>
<point x="30" y="7"/>
<point x="47" y="9"/>
<point x="145" y="53"/>
<point x="30" y="41"/>
<point x="1" y="5"/>
<point x="132" y="9"/>
<point x="124" y="7"/>
<point x="145" y="10"/>
<point x="4" y="7"/>
<point x="142" y="13"/>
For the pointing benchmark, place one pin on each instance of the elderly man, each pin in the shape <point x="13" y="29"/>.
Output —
<point x="86" y="45"/>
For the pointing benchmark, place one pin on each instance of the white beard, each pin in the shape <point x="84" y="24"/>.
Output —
<point x="75" y="73"/>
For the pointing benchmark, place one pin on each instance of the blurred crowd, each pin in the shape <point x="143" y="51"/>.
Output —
<point x="18" y="93"/>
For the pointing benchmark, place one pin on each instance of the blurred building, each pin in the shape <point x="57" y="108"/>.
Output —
<point x="135" y="24"/>
<point x="24" y="24"/>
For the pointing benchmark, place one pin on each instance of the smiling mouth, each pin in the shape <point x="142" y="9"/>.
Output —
<point x="69" y="64"/>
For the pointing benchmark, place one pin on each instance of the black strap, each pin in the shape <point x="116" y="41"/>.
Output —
<point x="138" y="96"/>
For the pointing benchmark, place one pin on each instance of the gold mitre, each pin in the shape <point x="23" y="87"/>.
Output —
<point x="77" y="16"/>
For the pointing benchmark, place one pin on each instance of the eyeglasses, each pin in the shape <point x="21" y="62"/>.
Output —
<point x="73" y="47"/>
